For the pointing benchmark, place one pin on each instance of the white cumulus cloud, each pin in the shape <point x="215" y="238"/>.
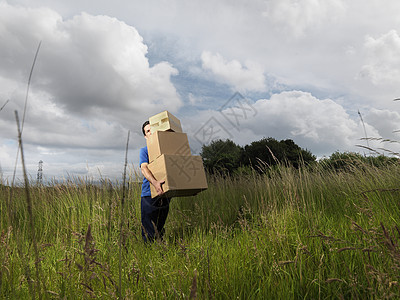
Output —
<point x="242" y="78"/>
<point x="320" y="125"/>
<point x="299" y="17"/>
<point x="87" y="62"/>
<point x="383" y="59"/>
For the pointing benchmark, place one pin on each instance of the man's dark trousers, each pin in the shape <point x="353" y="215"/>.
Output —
<point x="154" y="213"/>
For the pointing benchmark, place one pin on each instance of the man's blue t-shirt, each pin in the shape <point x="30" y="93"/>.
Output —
<point x="144" y="158"/>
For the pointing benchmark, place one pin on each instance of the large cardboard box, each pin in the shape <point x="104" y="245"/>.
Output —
<point x="165" y="121"/>
<point x="166" y="142"/>
<point x="183" y="175"/>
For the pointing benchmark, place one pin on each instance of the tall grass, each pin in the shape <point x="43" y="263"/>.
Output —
<point x="286" y="234"/>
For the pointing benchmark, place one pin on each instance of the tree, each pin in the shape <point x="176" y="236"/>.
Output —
<point x="349" y="160"/>
<point x="221" y="156"/>
<point x="269" y="152"/>
<point x="295" y="154"/>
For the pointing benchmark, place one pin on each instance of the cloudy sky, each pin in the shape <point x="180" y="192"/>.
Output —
<point x="244" y="70"/>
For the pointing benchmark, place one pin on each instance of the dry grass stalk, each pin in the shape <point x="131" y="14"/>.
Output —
<point x="30" y="213"/>
<point x="391" y="246"/>
<point x="4" y="252"/>
<point x="193" y="290"/>
<point x="285" y="262"/>
<point x="330" y="280"/>
<point x="326" y="237"/>
<point x="122" y="219"/>
<point x="23" y="119"/>
<point x="357" y="227"/>
<point x="346" y="249"/>
<point x="91" y="269"/>
<point x="8" y="100"/>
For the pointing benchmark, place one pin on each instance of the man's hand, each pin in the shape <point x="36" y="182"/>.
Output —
<point x="150" y="177"/>
<point x="158" y="186"/>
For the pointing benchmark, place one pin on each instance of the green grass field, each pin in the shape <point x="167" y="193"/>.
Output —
<point x="286" y="234"/>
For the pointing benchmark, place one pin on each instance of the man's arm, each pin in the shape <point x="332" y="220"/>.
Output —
<point x="150" y="177"/>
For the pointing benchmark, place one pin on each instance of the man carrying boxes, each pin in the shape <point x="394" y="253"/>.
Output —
<point x="154" y="211"/>
<point x="169" y="170"/>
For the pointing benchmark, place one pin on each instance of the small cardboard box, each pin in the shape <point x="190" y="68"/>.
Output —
<point x="166" y="142"/>
<point x="183" y="175"/>
<point x="165" y="121"/>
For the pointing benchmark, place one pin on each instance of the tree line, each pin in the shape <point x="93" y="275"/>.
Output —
<point x="227" y="157"/>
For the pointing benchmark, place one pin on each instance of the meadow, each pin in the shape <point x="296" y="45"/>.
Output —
<point x="306" y="233"/>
